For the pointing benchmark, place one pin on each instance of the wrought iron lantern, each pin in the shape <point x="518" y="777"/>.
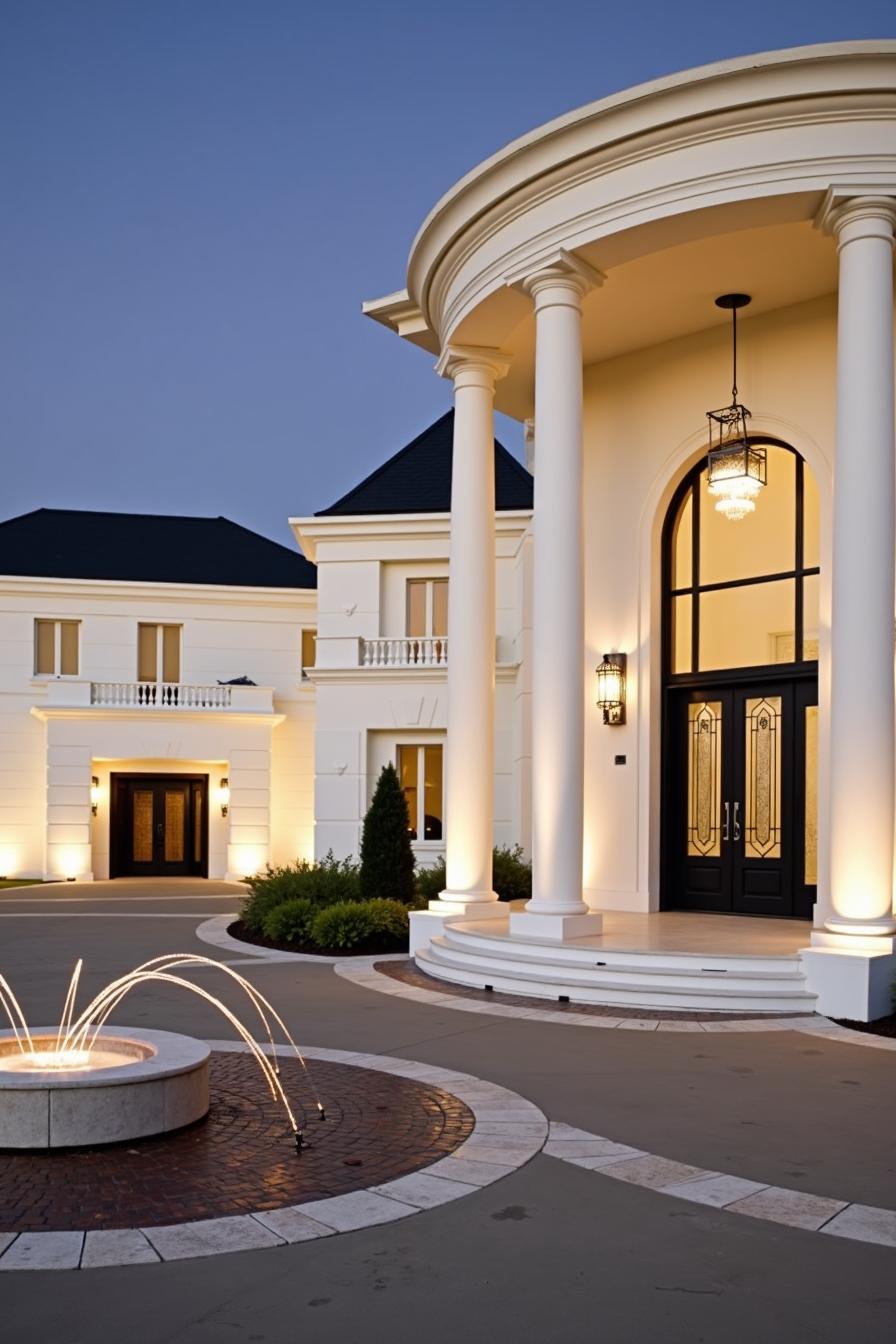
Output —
<point x="224" y="795"/>
<point x="611" y="687"/>
<point x="736" y="469"/>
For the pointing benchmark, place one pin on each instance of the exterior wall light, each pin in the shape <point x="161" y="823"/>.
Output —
<point x="94" y="794"/>
<point x="611" y="688"/>
<point x="736" y="470"/>
<point x="224" y="795"/>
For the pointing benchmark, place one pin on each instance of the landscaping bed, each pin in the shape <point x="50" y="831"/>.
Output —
<point x="374" y="947"/>
<point x="884" y="1026"/>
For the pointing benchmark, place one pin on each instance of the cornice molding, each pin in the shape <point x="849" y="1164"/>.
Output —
<point x="167" y="716"/>
<point x="855" y="201"/>
<point x="394" y="527"/>
<point x="474" y="362"/>
<point x="116" y="590"/>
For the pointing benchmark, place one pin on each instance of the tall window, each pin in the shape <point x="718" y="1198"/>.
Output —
<point x="309" y="650"/>
<point x="56" y="648"/>
<point x="743" y="594"/>
<point x="427" y="608"/>
<point x="158" y="652"/>
<point x="420" y="773"/>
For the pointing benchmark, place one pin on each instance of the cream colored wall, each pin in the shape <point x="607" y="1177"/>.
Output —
<point x="45" y="767"/>
<point x="643" y="429"/>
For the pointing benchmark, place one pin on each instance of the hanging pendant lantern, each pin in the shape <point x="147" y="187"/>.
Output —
<point x="736" y="470"/>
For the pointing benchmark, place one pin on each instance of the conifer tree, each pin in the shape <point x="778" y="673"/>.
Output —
<point x="387" y="860"/>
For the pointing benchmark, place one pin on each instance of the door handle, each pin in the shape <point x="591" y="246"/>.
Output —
<point x="737" y="821"/>
<point x="726" y="827"/>
<point x="160" y="830"/>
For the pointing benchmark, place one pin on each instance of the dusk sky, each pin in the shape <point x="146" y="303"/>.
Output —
<point x="198" y="194"/>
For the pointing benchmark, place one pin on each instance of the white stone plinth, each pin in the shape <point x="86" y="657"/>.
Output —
<point x="555" y="928"/>
<point x="853" y="982"/>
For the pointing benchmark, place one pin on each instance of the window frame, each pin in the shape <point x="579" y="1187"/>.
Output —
<point x="160" y="628"/>
<point x="57" y="622"/>
<point x="418" y="823"/>
<point x="303" y="666"/>
<point x="429" y="583"/>
<point x="690" y="486"/>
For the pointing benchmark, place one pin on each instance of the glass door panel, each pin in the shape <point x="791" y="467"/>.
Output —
<point x="704" y="835"/>
<point x="762" y="783"/>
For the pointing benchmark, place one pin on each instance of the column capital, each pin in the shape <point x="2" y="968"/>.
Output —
<point x="848" y="213"/>
<point x="558" y="277"/>
<point x="473" y="365"/>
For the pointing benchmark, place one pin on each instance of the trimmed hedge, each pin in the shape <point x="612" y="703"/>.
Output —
<point x="352" y="924"/>
<point x="291" y="921"/>
<point x="322" y="883"/>
<point x="511" y="876"/>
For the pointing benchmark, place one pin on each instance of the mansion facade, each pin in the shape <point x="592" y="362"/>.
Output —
<point x="662" y="662"/>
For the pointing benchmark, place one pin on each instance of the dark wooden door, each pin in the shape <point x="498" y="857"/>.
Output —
<point x="159" y="826"/>
<point x="740" y="803"/>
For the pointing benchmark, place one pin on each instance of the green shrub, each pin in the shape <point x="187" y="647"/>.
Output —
<point x="387" y="860"/>
<point x="352" y="924"/>
<point x="431" y="881"/>
<point x="511" y="876"/>
<point x="323" y="883"/>
<point x="290" y="922"/>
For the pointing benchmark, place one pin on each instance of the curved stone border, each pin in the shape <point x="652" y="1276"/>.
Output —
<point x="508" y="1131"/>
<point x="361" y="971"/>
<point x="716" y="1189"/>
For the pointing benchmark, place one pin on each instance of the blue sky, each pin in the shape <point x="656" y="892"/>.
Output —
<point x="197" y="195"/>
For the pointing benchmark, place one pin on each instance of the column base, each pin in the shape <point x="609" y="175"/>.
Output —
<point x="555" y="928"/>
<point x="852" y="979"/>
<point x="427" y="924"/>
<point x="862" y="928"/>
<point x="483" y="907"/>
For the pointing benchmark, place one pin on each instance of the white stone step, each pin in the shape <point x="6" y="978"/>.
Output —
<point x="675" y="969"/>
<point x="480" y="935"/>
<point x="548" y="980"/>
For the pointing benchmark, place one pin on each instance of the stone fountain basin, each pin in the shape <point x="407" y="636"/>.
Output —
<point x="163" y="1085"/>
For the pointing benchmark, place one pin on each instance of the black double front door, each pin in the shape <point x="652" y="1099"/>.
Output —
<point x="159" y="825"/>
<point x="740" y="810"/>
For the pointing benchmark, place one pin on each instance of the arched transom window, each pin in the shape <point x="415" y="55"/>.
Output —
<point x="743" y="594"/>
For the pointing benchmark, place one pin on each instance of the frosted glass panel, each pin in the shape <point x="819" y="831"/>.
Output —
<point x="704" y="773"/>
<point x="432" y="795"/>
<point x="171" y="653"/>
<point x="175" y="808"/>
<point x="68" y="648"/>
<point x="762" y="784"/>
<point x="142" y="837"/>
<point x="747" y="627"/>
<point x="416" y="607"/>
<point x="45" y="648"/>
<point x="762" y="543"/>
<point x="147" y="640"/>
<point x="440" y="607"/>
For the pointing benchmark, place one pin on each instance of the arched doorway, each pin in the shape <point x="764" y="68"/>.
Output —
<point x="740" y="660"/>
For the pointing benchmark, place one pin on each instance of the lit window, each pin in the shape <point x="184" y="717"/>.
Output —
<point x="158" y="652"/>
<point x="420" y="773"/>
<point x="309" y="651"/>
<point x="427" y="608"/>
<point x="56" y="648"/>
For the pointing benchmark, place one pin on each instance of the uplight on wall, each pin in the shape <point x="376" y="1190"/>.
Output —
<point x="94" y="794"/>
<point x="224" y="795"/>
<point x="611" y="688"/>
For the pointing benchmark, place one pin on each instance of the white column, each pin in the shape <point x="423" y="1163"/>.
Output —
<point x="864" y="553"/>
<point x="557" y="910"/>
<point x="470" y="764"/>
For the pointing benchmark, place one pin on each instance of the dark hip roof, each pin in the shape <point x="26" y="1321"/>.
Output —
<point x="418" y="478"/>
<point x="147" y="548"/>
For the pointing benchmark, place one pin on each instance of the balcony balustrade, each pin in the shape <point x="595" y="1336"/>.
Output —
<point x="176" y="696"/>
<point x="408" y="651"/>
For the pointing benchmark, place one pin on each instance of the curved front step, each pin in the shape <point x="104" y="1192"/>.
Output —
<point x="620" y="985"/>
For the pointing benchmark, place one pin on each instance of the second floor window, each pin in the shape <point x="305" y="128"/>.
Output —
<point x="158" y="652"/>
<point x="427" y="608"/>
<point x="309" y="650"/>
<point x="56" y="648"/>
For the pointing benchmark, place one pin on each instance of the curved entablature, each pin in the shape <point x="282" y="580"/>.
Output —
<point x="750" y="146"/>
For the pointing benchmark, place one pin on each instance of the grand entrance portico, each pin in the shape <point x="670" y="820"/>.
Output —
<point x="579" y="269"/>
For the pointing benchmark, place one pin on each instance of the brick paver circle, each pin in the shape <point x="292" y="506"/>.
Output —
<point x="241" y="1158"/>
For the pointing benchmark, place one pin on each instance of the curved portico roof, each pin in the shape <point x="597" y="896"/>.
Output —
<point x="769" y="134"/>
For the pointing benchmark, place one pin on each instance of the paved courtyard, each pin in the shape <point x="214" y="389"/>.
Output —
<point x="553" y="1251"/>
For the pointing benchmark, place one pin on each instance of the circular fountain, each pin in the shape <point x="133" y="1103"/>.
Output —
<point x="130" y="1084"/>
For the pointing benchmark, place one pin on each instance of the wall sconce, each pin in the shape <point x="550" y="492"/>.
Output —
<point x="94" y="794"/>
<point x="224" y="795"/>
<point x="611" y="687"/>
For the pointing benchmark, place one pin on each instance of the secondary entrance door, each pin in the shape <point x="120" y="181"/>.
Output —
<point x="742" y="834"/>
<point x="159" y="826"/>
